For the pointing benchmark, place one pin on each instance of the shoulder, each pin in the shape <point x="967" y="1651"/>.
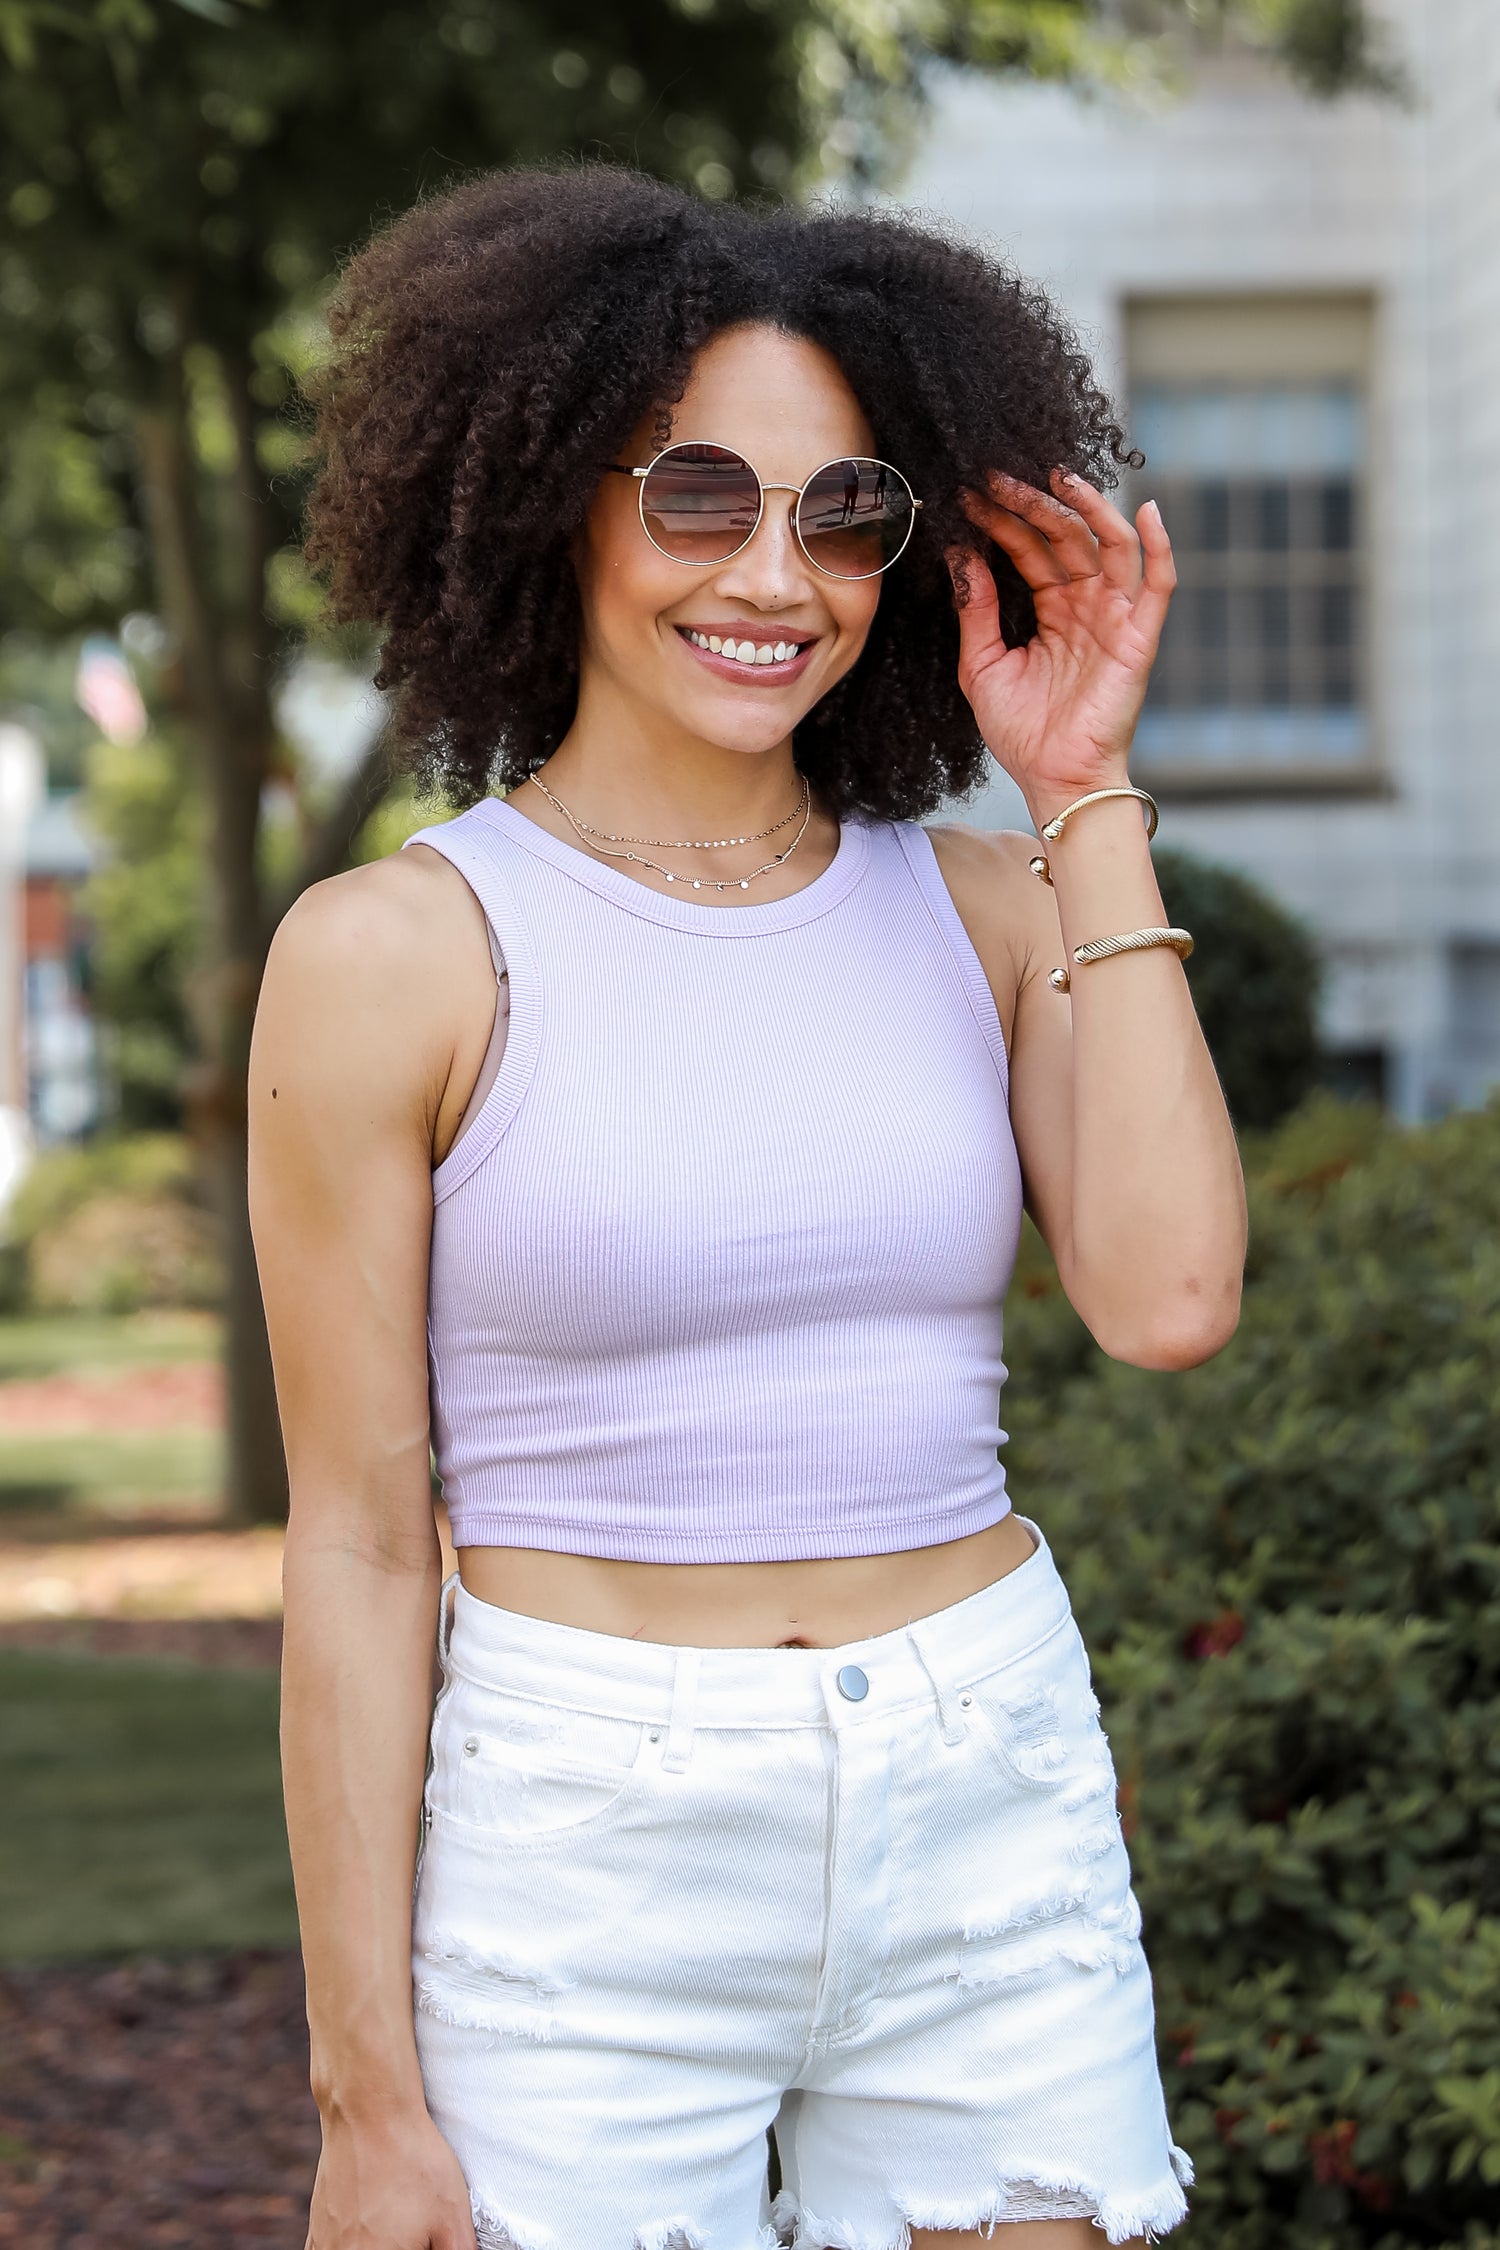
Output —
<point x="383" y="927"/>
<point x="379" y="974"/>
<point x="989" y="879"/>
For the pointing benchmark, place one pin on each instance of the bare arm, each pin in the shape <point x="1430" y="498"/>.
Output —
<point x="1129" y="1157"/>
<point x="358" y="1066"/>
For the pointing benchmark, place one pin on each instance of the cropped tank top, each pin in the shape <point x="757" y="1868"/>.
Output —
<point x="717" y="1267"/>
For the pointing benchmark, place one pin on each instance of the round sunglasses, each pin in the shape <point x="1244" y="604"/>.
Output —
<point x="702" y="503"/>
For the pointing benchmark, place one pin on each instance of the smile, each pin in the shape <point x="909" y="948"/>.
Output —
<point x="743" y="655"/>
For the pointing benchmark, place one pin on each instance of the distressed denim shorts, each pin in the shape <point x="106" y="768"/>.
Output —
<point x="876" y="1896"/>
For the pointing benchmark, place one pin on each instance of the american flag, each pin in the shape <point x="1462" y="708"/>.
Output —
<point x="105" y="690"/>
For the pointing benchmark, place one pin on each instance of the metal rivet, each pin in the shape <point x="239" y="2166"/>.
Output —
<point x="852" y="1684"/>
<point x="656" y="1734"/>
<point x="471" y="1745"/>
<point x="966" y="1702"/>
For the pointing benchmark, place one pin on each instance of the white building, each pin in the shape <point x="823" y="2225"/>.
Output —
<point x="1299" y="305"/>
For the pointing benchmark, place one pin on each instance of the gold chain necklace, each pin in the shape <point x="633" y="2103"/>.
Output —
<point x="696" y="882"/>
<point x="671" y="843"/>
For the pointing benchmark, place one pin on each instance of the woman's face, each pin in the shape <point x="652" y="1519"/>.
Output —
<point x="783" y="404"/>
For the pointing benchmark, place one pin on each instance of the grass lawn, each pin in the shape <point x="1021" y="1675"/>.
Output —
<point x="142" y="1809"/>
<point x="75" y="1343"/>
<point x="104" y="1474"/>
<point x="115" y="1474"/>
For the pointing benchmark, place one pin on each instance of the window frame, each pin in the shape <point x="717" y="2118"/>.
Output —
<point x="1252" y="339"/>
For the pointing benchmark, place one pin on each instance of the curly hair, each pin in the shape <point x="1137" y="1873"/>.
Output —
<point x="498" y="345"/>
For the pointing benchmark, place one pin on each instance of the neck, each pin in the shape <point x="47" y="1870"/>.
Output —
<point x="620" y="770"/>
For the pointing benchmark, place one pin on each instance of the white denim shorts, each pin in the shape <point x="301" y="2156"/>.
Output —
<point x="875" y="1895"/>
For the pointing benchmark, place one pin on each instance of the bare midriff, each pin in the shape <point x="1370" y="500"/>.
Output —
<point x="805" y="1604"/>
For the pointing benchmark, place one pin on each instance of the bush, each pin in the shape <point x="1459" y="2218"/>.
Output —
<point x="147" y="902"/>
<point x="1254" y="976"/>
<point x="112" y="1226"/>
<point x="1287" y="1566"/>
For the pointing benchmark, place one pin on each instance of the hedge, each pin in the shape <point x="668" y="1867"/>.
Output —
<point x="1287" y="1566"/>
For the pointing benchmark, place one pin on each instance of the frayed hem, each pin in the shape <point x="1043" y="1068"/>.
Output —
<point x="462" y="2015"/>
<point x="1117" y="2218"/>
<point x="491" y="2232"/>
<point x="676" y="2234"/>
<point x="494" y="2233"/>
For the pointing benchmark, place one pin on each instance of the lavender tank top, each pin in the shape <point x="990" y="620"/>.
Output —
<point x="717" y="1268"/>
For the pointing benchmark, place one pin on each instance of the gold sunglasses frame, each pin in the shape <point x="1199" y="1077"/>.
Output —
<point x="846" y="578"/>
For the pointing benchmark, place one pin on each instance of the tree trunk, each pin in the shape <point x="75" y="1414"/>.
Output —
<point x="220" y="632"/>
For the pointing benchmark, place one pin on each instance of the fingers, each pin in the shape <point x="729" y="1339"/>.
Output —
<point x="1160" y="575"/>
<point x="1027" y="549"/>
<point x="1119" y="544"/>
<point x="978" y="604"/>
<point x="1072" y="543"/>
<point x="1088" y="538"/>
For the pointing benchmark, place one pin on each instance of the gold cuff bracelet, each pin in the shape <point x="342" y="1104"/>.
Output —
<point x="1129" y="941"/>
<point x="1059" y="821"/>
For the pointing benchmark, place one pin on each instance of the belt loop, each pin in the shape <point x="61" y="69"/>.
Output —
<point x="684" y="1709"/>
<point x="445" y="1620"/>
<point x="942" y="1687"/>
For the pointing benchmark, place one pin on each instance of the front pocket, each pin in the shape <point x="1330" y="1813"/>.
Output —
<point x="524" y="1770"/>
<point x="1040" y="1719"/>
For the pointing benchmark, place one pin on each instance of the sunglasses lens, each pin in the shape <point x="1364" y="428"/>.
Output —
<point x="855" y="517"/>
<point x="700" y="503"/>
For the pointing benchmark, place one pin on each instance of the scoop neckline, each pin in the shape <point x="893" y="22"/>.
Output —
<point x="824" y="891"/>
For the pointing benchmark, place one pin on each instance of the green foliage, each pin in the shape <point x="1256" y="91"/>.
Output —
<point x="63" y="1180"/>
<point x="1254" y="975"/>
<point x="1287" y="1566"/>
<point x="147" y="903"/>
<point x="1328" y="46"/>
<point x="111" y="1226"/>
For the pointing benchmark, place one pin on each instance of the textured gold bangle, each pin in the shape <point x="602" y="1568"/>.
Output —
<point x="1059" y="821"/>
<point x="1129" y="941"/>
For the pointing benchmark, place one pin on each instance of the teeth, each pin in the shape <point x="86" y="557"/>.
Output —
<point x="746" y="652"/>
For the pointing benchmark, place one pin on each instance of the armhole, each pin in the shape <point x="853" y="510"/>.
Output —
<point x="923" y="862"/>
<point x="512" y="957"/>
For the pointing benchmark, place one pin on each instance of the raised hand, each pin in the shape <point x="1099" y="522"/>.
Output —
<point x="1059" y="713"/>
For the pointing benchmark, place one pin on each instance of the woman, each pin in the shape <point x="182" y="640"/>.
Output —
<point x="766" y="1785"/>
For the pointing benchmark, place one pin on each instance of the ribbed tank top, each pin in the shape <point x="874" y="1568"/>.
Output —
<point x="717" y="1268"/>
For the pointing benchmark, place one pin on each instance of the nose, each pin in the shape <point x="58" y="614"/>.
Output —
<point x="770" y="570"/>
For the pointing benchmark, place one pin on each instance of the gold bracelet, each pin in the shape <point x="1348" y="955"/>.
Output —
<point x="1059" y="821"/>
<point x="1129" y="941"/>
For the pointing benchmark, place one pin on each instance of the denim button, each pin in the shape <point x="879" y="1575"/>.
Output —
<point x="853" y="1684"/>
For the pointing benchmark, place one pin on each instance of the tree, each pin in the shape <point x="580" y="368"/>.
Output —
<point x="177" y="179"/>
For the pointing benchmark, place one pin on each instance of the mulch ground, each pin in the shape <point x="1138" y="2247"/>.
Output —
<point x="156" y="2106"/>
<point x="183" y="1395"/>
<point x="234" y="1641"/>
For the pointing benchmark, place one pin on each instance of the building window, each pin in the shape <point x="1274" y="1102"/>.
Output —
<point x="1258" y="471"/>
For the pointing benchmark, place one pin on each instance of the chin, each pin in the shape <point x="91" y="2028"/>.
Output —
<point x="752" y="733"/>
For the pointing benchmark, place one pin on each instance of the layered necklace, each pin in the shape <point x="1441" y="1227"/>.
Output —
<point x="601" y="839"/>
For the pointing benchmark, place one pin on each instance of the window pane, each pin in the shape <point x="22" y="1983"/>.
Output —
<point x="1337" y="496"/>
<point x="1258" y="486"/>
<point x="1275" y="511"/>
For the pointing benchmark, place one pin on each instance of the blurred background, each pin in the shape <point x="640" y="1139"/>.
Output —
<point x="1275" y="223"/>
